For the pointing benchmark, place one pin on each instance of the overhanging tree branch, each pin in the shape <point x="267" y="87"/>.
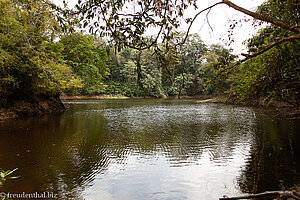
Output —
<point x="249" y="56"/>
<point x="262" y="17"/>
<point x="266" y="48"/>
<point x="135" y="40"/>
<point x="250" y="13"/>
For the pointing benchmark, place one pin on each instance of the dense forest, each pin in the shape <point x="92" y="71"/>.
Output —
<point x="45" y="52"/>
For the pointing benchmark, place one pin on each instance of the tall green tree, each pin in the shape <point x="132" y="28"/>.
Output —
<point x="214" y="72"/>
<point x="30" y="62"/>
<point x="125" y="76"/>
<point x="190" y="53"/>
<point x="88" y="60"/>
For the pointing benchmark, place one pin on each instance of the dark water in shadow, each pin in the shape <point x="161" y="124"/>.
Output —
<point x="151" y="149"/>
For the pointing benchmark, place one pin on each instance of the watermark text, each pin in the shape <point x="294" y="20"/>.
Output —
<point x="24" y="195"/>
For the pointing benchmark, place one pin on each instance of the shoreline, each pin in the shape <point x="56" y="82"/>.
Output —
<point x="46" y="105"/>
<point x="109" y="97"/>
<point x="283" y="108"/>
<point x="23" y="108"/>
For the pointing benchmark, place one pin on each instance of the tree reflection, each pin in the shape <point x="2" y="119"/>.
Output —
<point x="68" y="151"/>
<point x="274" y="161"/>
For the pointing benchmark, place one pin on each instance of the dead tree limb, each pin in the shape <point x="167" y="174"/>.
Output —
<point x="281" y="194"/>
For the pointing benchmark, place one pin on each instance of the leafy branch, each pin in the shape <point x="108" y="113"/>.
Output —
<point x="5" y="175"/>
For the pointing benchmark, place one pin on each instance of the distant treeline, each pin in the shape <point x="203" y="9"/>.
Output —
<point x="38" y="58"/>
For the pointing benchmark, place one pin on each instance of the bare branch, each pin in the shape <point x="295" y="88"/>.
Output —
<point x="262" y="17"/>
<point x="195" y="17"/>
<point x="247" y="12"/>
<point x="208" y="20"/>
<point x="282" y="194"/>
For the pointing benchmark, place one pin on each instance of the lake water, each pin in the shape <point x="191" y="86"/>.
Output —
<point x="151" y="149"/>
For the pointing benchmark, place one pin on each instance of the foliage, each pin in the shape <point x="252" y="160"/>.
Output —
<point x="190" y="53"/>
<point x="6" y="175"/>
<point x="167" y="72"/>
<point x="160" y="69"/>
<point x="215" y="75"/>
<point x="287" y="11"/>
<point x="124" y="73"/>
<point x="88" y="60"/>
<point x="121" y="88"/>
<point x="276" y="73"/>
<point x="128" y="26"/>
<point x="31" y="63"/>
<point x="36" y="58"/>
<point x="189" y="80"/>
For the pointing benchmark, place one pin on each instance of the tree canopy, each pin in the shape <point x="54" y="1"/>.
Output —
<point x="128" y="26"/>
<point x="31" y="63"/>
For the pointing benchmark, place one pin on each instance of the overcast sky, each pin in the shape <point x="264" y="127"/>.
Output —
<point x="219" y="19"/>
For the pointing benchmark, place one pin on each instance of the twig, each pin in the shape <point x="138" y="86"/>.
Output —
<point x="190" y="26"/>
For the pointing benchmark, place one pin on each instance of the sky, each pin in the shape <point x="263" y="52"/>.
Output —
<point x="219" y="19"/>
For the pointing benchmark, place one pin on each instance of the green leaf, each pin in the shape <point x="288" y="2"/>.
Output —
<point x="9" y="172"/>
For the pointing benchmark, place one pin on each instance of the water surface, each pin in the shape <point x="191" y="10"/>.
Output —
<point x="151" y="149"/>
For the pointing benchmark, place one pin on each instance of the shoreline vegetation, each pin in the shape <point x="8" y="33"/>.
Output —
<point x="46" y="105"/>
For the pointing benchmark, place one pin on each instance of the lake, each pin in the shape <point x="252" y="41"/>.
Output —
<point x="151" y="149"/>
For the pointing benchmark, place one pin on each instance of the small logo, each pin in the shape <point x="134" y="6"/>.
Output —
<point x="2" y="194"/>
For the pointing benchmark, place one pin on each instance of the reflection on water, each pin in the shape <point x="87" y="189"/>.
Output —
<point x="151" y="149"/>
